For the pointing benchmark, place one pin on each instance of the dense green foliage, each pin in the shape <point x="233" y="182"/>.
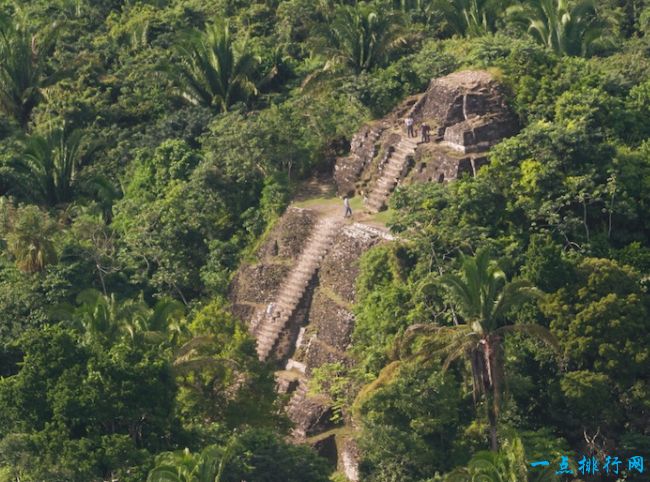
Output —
<point x="145" y="146"/>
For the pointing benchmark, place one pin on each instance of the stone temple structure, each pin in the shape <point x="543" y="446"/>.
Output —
<point x="305" y="271"/>
<point x="467" y="113"/>
<point x="298" y="291"/>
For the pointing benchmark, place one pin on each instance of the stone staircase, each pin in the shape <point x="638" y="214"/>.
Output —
<point x="305" y="410"/>
<point x="268" y="329"/>
<point x="390" y="174"/>
<point x="298" y="396"/>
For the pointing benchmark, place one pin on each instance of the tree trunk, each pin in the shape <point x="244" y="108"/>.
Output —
<point x="491" y="352"/>
<point x="492" y="419"/>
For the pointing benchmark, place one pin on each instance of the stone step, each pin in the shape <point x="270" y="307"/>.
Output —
<point x="302" y="271"/>
<point x="376" y="208"/>
<point x="300" y="283"/>
<point x="263" y="354"/>
<point x="388" y="178"/>
<point x="383" y="190"/>
<point x="391" y="174"/>
<point x="394" y="171"/>
<point x="386" y="182"/>
<point x="299" y="394"/>
<point x="320" y="246"/>
<point x="377" y="201"/>
<point x="264" y="350"/>
<point x="292" y="289"/>
<point x="285" y="306"/>
<point x="383" y="187"/>
<point x="271" y="328"/>
<point x="303" y="274"/>
<point x="380" y="191"/>
<point x="315" y="249"/>
<point x="266" y="338"/>
<point x="402" y="151"/>
<point x="296" y="283"/>
<point x="317" y="246"/>
<point x="266" y="342"/>
<point x="307" y="270"/>
<point x="268" y="333"/>
<point x="294" y="286"/>
<point x="287" y="310"/>
<point x="399" y="159"/>
<point x="311" y="258"/>
<point x="409" y="141"/>
<point x="290" y="296"/>
<point x="288" y="307"/>
<point x="379" y="196"/>
<point x="395" y="162"/>
<point x="290" y="301"/>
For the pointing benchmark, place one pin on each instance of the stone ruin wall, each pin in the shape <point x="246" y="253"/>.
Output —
<point x="256" y="283"/>
<point x="468" y="114"/>
<point x="326" y="338"/>
<point x="320" y="331"/>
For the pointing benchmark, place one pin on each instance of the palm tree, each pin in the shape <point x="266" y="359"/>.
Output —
<point x="472" y="18"/>
<point x="99" y="318"/>
<point x="482" y="297"/>
<point x="29" y="238"/>
<point x="212" y="72"/>
<point x="162" y="323"/>
<point x="49" y="167"/>
<point x="104" y="319"/>
<point x="507" y="465"/>
<point x="426" y="11"/>
<point x="48" y="172"/>
<point x="183" y="466"/>
<point x="566" y="28"/>
<point x="23" y="73"/>
<point x="361" y="36"/>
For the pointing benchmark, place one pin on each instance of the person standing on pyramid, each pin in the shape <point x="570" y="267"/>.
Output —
<point x="409" y="126"/>
<point x="348" y="209"/>
<point x="424" y="130"/>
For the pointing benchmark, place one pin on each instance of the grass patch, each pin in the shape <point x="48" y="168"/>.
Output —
<point x="356" y="203"/>
<point x="384" y="217"/>
<point x="331" y="295"/>
<point x="319" y="201"/>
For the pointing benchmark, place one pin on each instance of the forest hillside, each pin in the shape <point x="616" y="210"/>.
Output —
<point x="183" y="297"/>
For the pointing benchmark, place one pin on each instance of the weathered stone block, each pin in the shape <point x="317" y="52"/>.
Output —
<point x="362" y="150"/>
<point x="311" y="416"/>
<point x="258" y="283"/>
<point x="332" y="323"/>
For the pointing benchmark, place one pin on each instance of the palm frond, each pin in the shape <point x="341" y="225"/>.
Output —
<point x="534" y="331"/>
